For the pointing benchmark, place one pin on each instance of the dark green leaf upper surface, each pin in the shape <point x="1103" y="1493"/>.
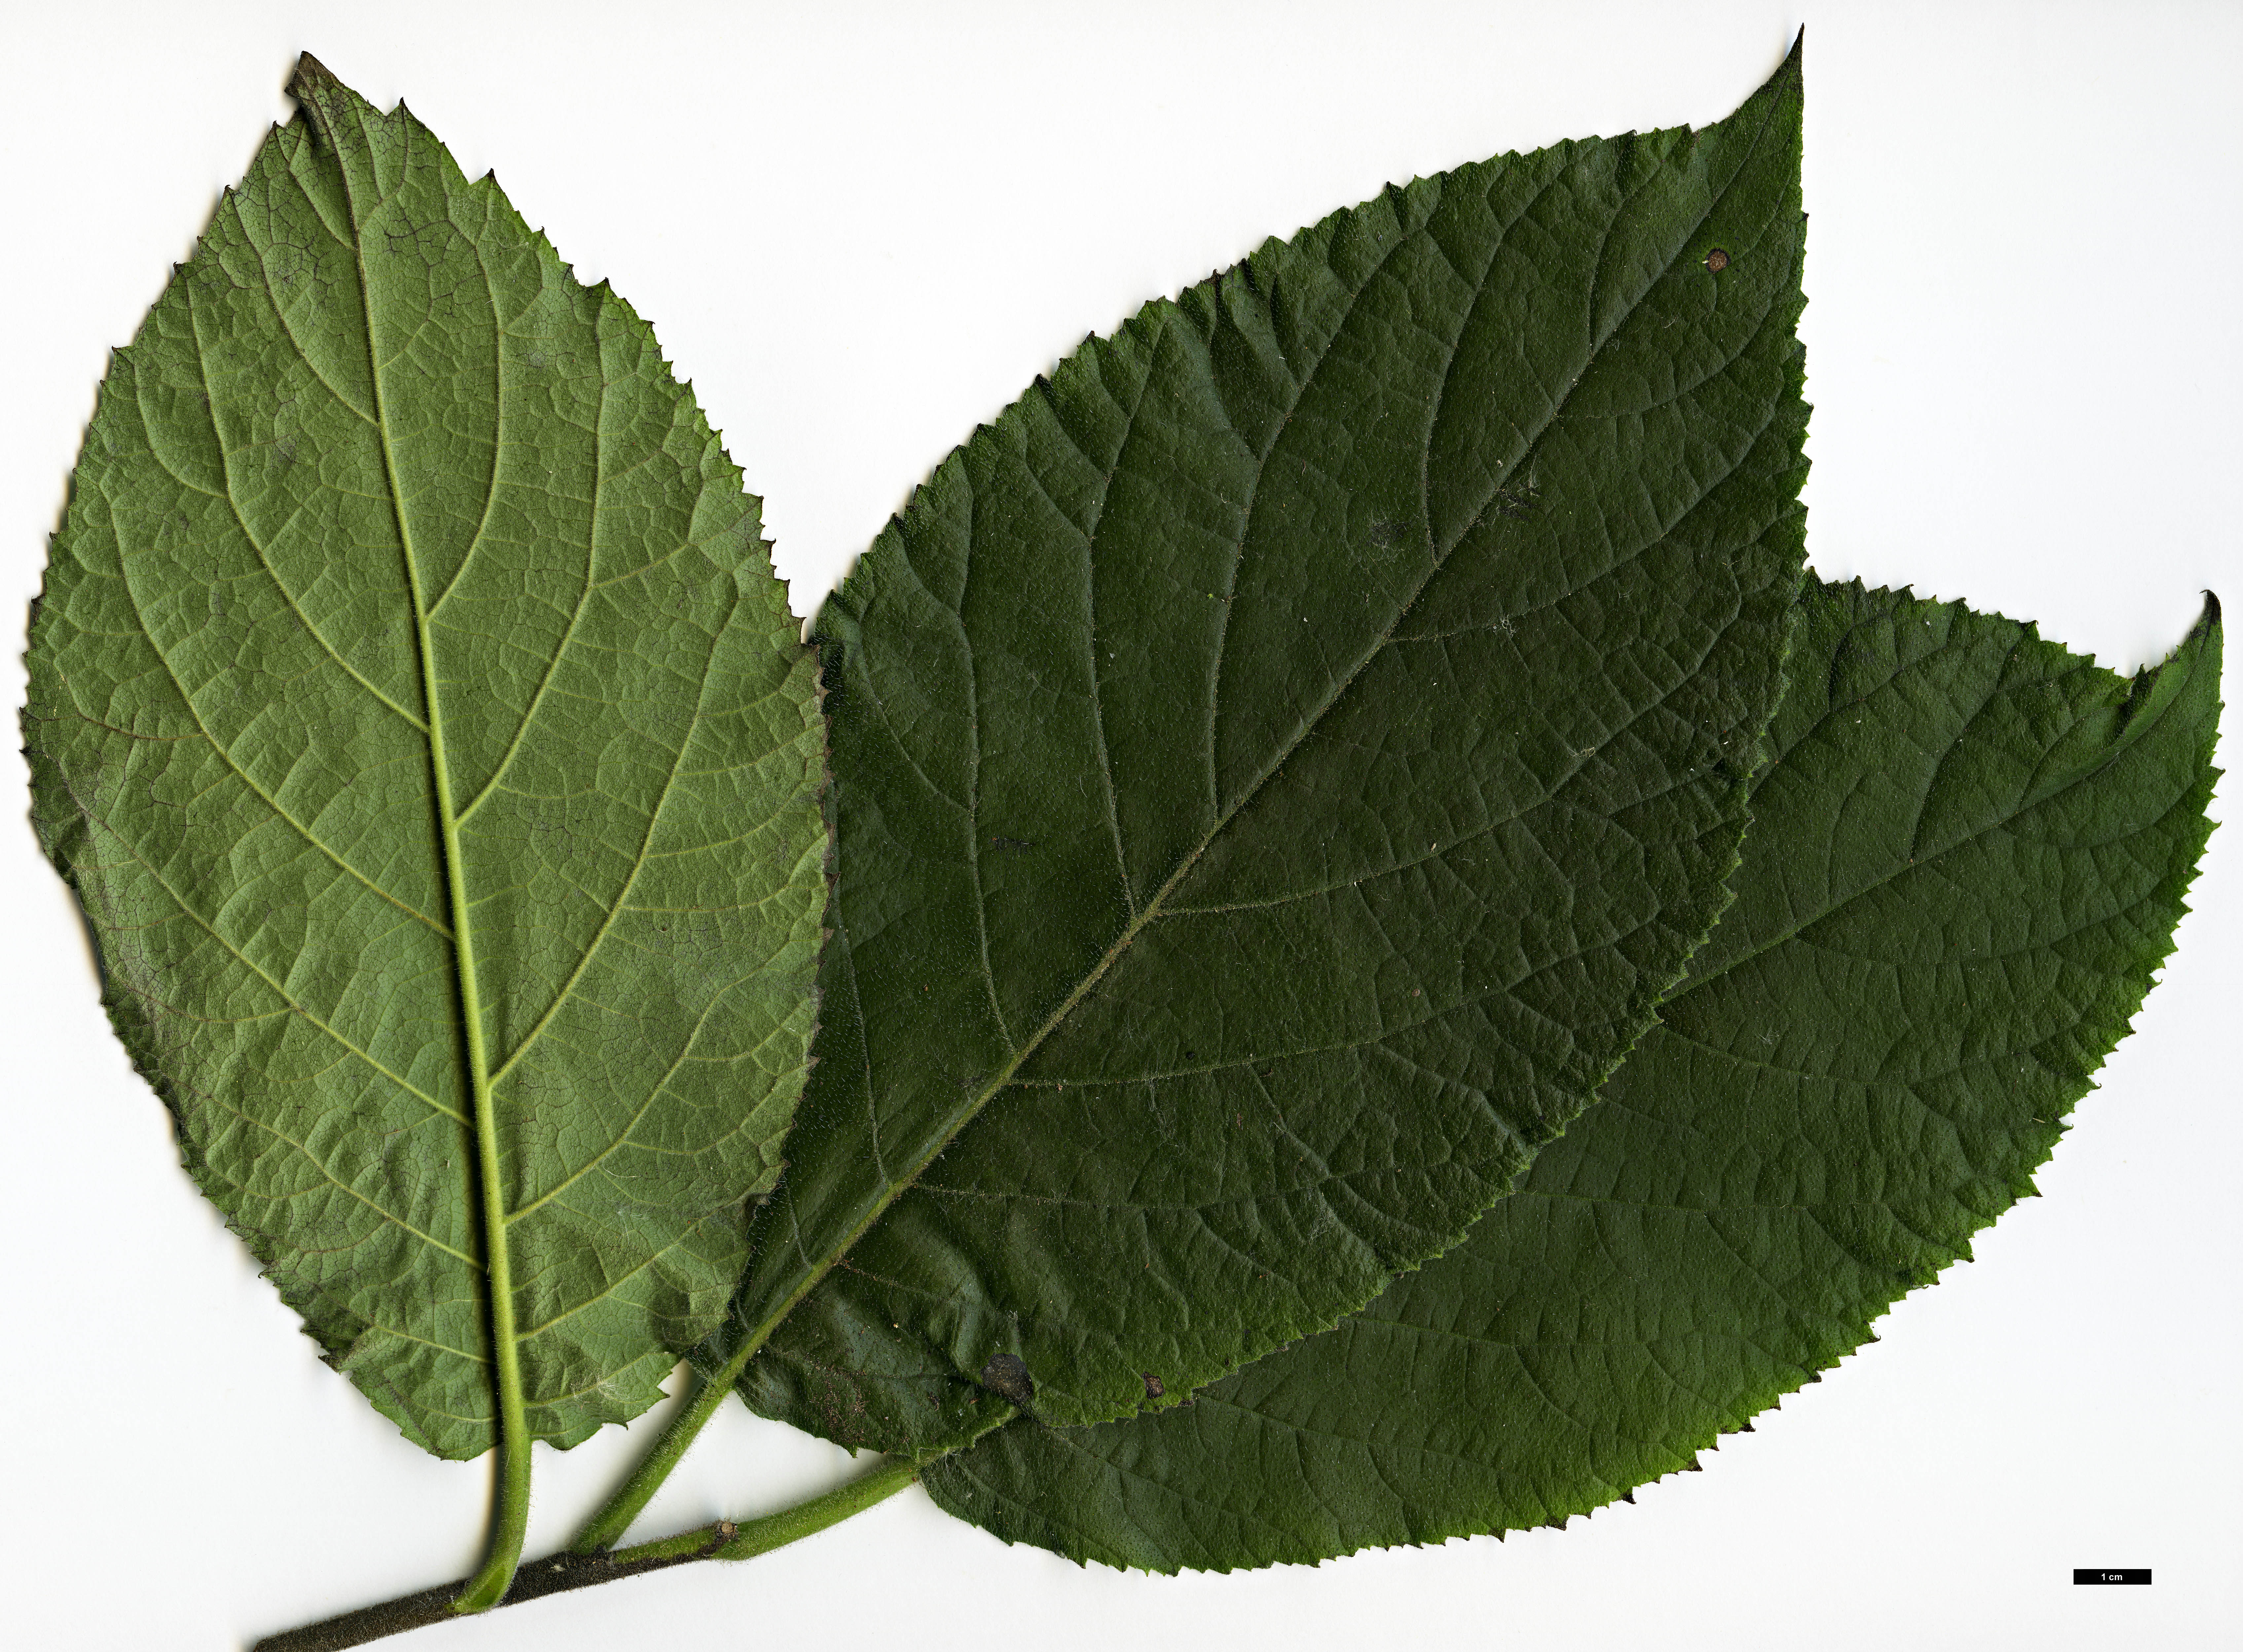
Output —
<point x="1279" y="764"/>
<point x="1966" y="862"/>
<point x="385" y="522"/>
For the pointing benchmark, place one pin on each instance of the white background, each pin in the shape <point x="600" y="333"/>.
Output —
<point x="860" y="230"/>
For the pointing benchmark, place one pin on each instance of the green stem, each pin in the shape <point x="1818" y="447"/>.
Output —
<point x="614" y="1517"/>
<point x="598" y="1533"/>
<point x="791" y="1525"/>
<point x="557" y="1573"/>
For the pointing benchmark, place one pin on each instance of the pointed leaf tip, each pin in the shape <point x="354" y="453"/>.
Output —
<point x="310" y="74"/>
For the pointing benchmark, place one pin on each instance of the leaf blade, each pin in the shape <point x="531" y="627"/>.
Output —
<point x="233" y="743"/>
<point x="1248" y="474"/>
<point x="1693" y="1249"/>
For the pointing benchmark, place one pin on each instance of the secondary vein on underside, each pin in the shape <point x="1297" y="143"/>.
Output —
<point x="243" y="775"/>
<point x="654" y="1093"/>
<point x="288" y="331"/>
<point x="630" y="880"/>
<point x="334" y="1181"/>
<point x="233" y="504"/>
<point x="279" y="991"/>
<point x="601" y="1296"/>
<point x="583" y="597"/>
<point x="498" y="429"/>
<point x="440" y="1347"/>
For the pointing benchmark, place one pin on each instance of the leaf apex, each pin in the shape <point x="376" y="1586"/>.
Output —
<point x="310" y="76"/>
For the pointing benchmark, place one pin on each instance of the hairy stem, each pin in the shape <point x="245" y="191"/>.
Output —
<point x="614" y="1517"/>
<point x="557" y="1573"/>
<point x="752" y="1538"/>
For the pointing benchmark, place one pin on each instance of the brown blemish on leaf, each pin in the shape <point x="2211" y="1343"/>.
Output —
<point x="1007" y="1375"/>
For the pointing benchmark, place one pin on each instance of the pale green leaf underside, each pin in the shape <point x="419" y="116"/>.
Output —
<point x="1280" y="762"/>
<point x="235" y="758"/>
<point x="1964" y="867"/>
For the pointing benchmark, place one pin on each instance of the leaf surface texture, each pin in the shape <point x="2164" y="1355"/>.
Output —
<point x="1966" y="863"/>
<point x="400" y="580"/>
<point x="1280" y="763"/>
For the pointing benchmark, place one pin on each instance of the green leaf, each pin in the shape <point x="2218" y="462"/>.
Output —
<point x="1966" y="864"/>
<point x="1280" y="763"/>
<point x="415" y="714"/>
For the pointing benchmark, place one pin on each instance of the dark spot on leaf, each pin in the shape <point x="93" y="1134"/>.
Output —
<point x="1717" y="261"/>
<point x="1154" y="1386"/>
<point x="1386" y="533"/>
<point x="1007" y="1375"/>
<point x="1010" y="846"/>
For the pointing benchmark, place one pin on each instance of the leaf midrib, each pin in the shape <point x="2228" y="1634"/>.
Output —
<point x="497" y="1271"/>
<point x="485" y="1073"/>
